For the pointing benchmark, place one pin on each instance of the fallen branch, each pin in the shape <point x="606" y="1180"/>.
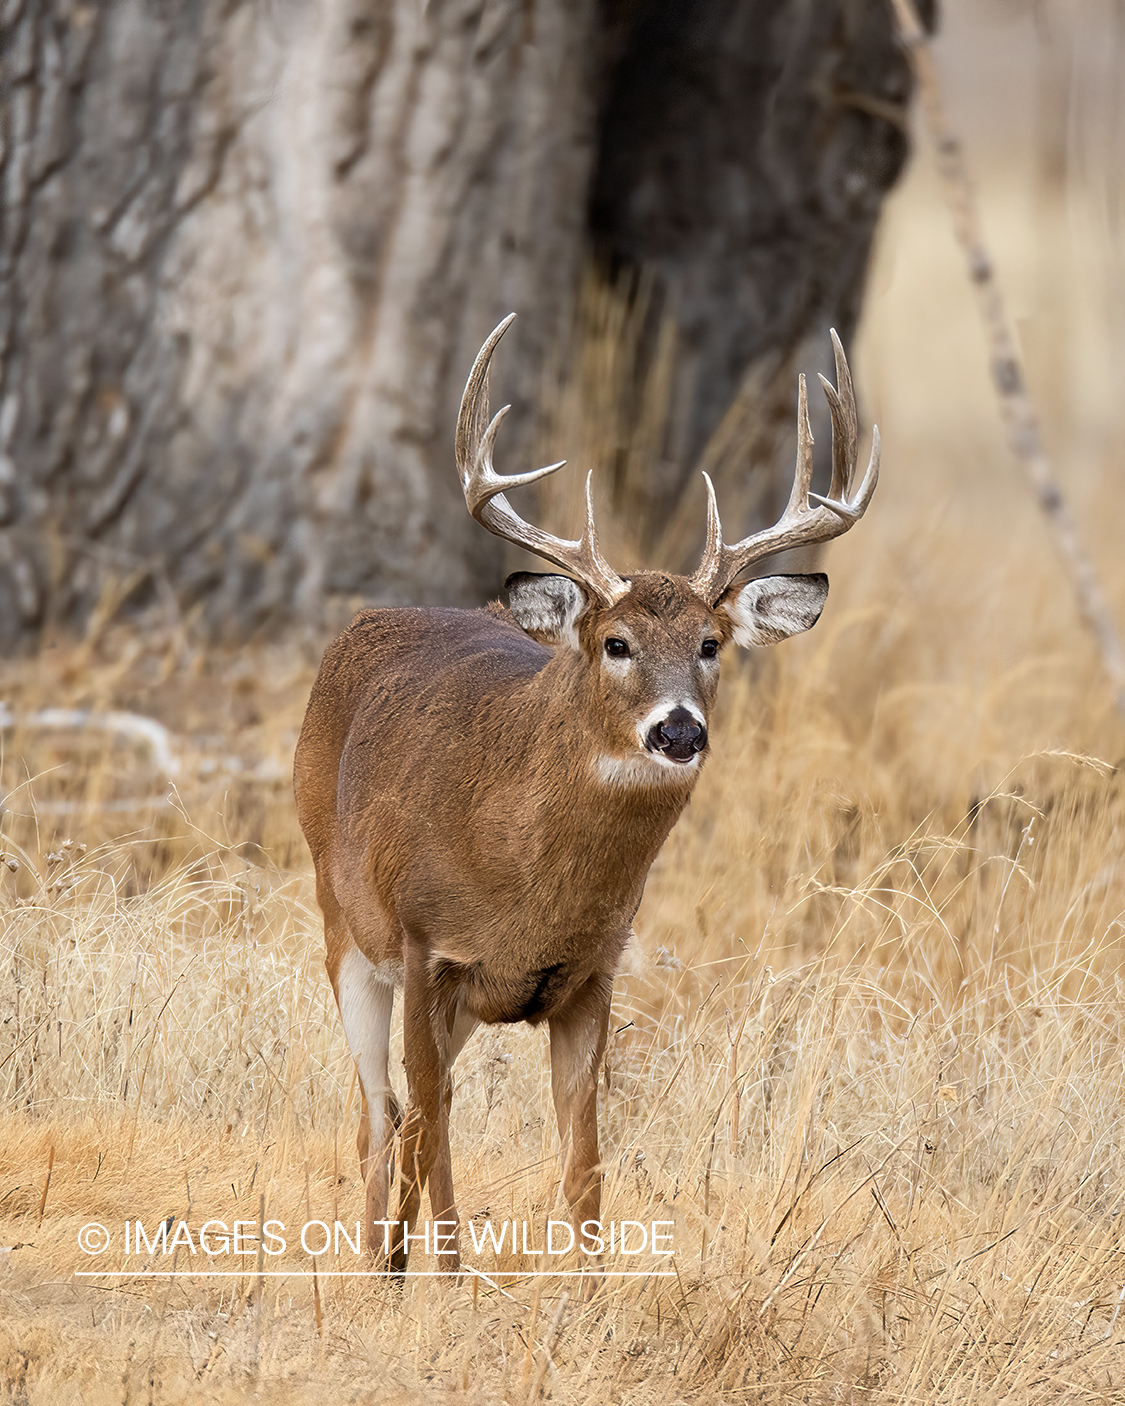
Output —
<point x="132" y="725"/>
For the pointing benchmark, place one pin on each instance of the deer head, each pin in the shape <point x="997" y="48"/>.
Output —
<point x="653" y="640"/>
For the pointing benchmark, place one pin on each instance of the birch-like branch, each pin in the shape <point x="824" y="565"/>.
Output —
<point x="1007" y="370"/>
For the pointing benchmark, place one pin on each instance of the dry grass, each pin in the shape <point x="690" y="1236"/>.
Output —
<point x="875" y="1078"/>
<point x="871" y="1063"/>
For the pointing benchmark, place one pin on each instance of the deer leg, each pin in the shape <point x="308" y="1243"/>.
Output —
<point x="425" y="1130"/>
<point x="365" y="996"/>
<point x="443" y="1208"/>
<point x="578" y="1037"/>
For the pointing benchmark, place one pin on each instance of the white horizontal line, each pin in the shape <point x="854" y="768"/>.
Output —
<point x="371" y="1274"/>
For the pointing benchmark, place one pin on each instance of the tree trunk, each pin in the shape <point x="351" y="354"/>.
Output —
<point x="249" y="254"/>
<point x="248" y="250"/>
<point x="744" y="153"/>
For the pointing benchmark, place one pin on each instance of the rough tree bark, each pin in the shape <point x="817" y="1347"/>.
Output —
<point x="744" y="153"/>
<point x="248" y="249"/>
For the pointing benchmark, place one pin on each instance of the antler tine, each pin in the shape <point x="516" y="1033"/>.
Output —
<point x="801" y="524"/>
<point x="484" y="488"/>
<point x="472" y="418"/>
<point x="802" y="474"/>
<point x="714" y="543"/>
<point x="845" y="423"/>
<point x="852" y="510"/>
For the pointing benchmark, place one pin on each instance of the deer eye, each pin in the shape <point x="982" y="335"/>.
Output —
<point x="617" y="649"/>
<point x="709" y="649"/>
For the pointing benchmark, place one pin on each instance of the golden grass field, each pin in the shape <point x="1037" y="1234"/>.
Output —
<point x="870" y="1060"/>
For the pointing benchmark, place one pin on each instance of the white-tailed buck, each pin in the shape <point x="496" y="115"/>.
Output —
<point x="484" y="791"/>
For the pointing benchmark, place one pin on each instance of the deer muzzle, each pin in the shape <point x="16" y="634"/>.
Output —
<point x="679" y="736"/>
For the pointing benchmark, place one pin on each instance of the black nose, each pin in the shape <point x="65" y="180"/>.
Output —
<point x="678" y="736"/>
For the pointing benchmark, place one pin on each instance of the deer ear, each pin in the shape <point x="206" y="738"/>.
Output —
<point x="774" y="607"/>
<point x="547" y="607"/>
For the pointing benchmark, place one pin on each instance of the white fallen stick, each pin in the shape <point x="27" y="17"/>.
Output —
<point x="132" y="725"/>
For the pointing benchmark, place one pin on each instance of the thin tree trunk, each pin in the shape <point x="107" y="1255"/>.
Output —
<point x="1008" y="379"/>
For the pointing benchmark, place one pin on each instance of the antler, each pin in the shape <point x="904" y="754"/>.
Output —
<point x="799" y="525"/>
<point x="484" y="488"/>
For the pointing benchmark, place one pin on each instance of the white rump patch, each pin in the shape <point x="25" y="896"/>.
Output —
<point x="773" y="608"/>
<point x="366" y="997"/>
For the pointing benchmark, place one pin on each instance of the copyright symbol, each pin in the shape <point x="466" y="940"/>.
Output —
<point x="93" y="1238"/>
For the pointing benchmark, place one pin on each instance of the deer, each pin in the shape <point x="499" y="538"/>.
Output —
<point x="484" y="791"/>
